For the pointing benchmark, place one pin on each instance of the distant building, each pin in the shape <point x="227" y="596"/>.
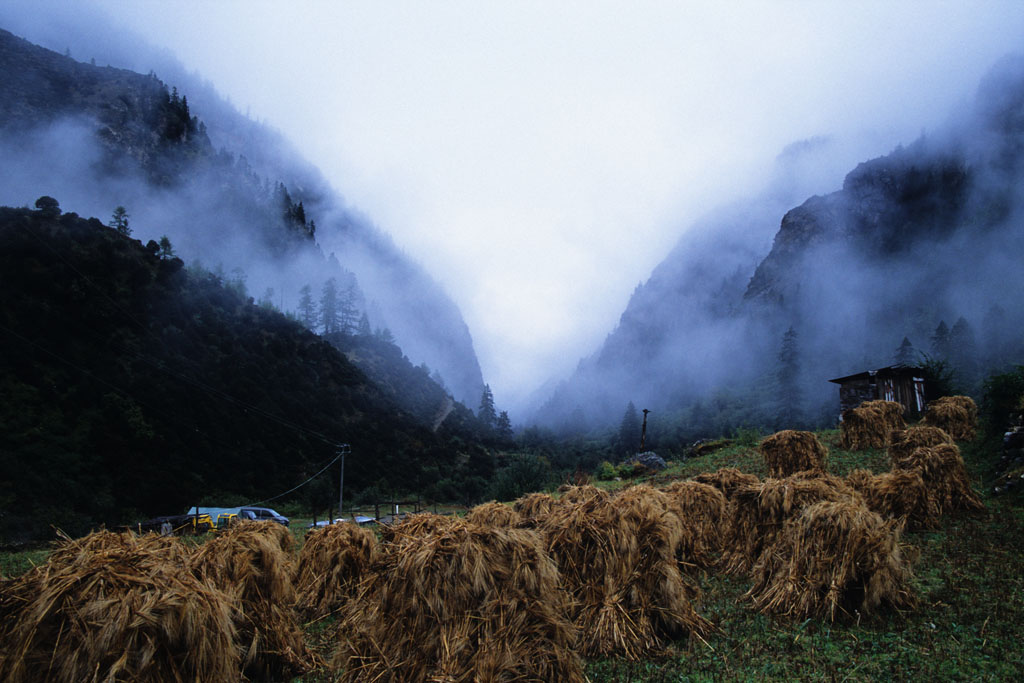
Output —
<point x="900" y="383"/>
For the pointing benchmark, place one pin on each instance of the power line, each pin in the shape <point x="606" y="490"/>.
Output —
<point x="342" y="452"/>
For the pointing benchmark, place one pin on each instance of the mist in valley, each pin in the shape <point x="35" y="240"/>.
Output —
<point x="698" y="334"/>
<point x="922" y="243"/>
<point x="234" y="198"/>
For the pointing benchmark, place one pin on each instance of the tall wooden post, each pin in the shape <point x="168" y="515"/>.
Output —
<point x="343" y="449"/>
<point x="643" y="431"/>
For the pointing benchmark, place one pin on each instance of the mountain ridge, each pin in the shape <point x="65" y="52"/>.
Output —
<point x="129" y="118"/>
<point x="912" y="239"/>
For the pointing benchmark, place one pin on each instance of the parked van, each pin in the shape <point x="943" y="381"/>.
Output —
<point x="225" y="516"/>
<point x="262" y="515"/>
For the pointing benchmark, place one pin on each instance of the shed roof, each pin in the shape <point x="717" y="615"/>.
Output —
<point x="887" y="371"/>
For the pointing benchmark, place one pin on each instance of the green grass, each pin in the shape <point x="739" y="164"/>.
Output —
<point x="969" y="577"/>
<point x="15" y="563"/>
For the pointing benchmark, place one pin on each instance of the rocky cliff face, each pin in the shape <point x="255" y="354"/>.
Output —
<point x="885" y="208"/>
<point x="931" y="232"/>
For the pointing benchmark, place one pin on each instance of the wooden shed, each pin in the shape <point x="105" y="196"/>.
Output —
<point x="900" y="383"/>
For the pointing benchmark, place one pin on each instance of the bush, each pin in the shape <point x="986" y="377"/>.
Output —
<point x="607" y="471"/>
<point x="746" y="436"/>
<point x="629" y="470"/>
<point x="523" y="474"/>
<point x="1002" y="398"/>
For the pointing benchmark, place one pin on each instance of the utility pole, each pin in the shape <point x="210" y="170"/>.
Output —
<point x="343" y="450"/>
<point x="643" y="431"/>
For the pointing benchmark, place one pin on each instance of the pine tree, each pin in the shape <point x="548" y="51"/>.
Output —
<point x="363" y="329"/>
<point x="237" y="283"/>
<point x="166" y="250"/>
<point x="486" y="414"/>
<point x="789" y="411"/>
<point x="629" y="430"/>
<point x="940" y="341"/>
<point x="329" y="314"/>
<point x="504" y="427"/>
<point x="307" y="310"/>
<point x="267" y="300"/>
<point x="906" y="356"/>
<point x="963" y="351"/>
<point x="348" y="309"/>
<point x="119" y="221"/>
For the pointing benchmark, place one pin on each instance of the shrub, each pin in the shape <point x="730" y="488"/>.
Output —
<point x="607" y="471"/>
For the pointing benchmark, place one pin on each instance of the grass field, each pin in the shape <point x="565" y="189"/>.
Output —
<point x="969" y="577"/>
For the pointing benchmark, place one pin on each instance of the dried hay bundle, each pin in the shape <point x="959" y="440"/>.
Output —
<point x="943" y="472"/>
<point x="870" y="424"/>
<point x="412" y="526"/>
<point x="249" y="562"/>
<point x="859" y="480"/>
<point x="833" y="560"/>
<point x="703" y="511"/>
<point x="900" y="494"/>
<point x="534" y="507"/>
<point x="789" y="451"/>
<point x="760" y="511"/>
<point x="494" y="514"/>
<point x="582" y="494"/>
<point x="617" y="558"/>
<point x="333" y="560"/>
<point x="114" y="606"/>
<point x="727" y="480"/>
<point x="460" y="602"/>
<point x="905" y="441"/>
<point x="957" y="415"/>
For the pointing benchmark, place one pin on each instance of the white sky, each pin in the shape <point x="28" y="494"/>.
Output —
<point x="540" y="158"/>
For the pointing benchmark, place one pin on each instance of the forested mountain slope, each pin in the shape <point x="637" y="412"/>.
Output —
<point x="100" y="137"/>
<point x="135" y="386"/>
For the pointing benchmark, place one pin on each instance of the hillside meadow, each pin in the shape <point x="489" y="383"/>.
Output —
<point x="968" y="580"/>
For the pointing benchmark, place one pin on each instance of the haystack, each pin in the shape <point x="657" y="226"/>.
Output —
<point x="761" y="510"/>
<point x="250" y="563"/>
<point x="461" y="602"/>
<point x="905" y="441"/>
<point x="534" y="507"/>
<point x="113" y="606"/>
<point x="957" y="415"/>
<point x="727" y="480"/>
<point x="582" y="494"/>
<point x="870" y="424"/>
<point x="415" y="525"/>
<point x="789" y="451"/>
<point x="900" y="494"/>
<point x="703" y="511"/>
<point x="833" y="561"/>
<point x="618" y="561"/>
<point x="333" y="560"/>
<point x="494" y="514"/>
<point x="943" y="472"/>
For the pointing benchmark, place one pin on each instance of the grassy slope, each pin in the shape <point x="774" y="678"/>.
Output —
<point x="969" y="576"/>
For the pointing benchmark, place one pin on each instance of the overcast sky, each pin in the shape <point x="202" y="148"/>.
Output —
<point x="540" y="158"/>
